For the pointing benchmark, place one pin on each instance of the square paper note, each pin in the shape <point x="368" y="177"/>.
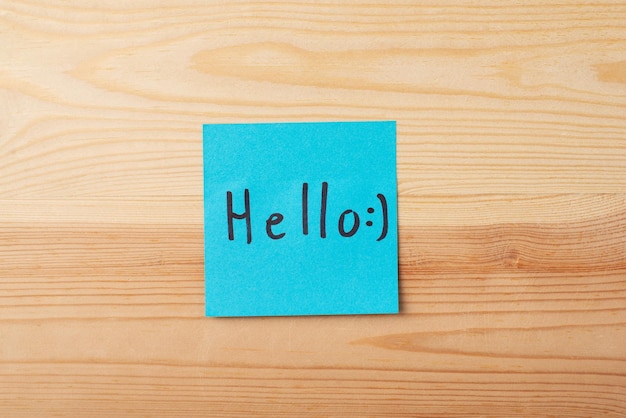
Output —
<point x="300" y="219"/>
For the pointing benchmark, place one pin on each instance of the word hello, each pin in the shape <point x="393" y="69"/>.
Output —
<point x="272" y="223"/>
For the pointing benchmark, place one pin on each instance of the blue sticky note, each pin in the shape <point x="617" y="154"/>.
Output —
<point x="300" y="219"/>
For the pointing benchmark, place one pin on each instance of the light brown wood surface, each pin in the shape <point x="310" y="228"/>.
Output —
<point x="512" y="207"/>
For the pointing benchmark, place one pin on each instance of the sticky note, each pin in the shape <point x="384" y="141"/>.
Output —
<point x="300" y="218"/>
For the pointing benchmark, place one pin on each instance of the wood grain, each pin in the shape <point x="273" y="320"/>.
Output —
<point x="512" y="207"/>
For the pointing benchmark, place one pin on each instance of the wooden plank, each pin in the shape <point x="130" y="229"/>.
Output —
<point x="151" y="268"/>
<point x="500" y="99"/>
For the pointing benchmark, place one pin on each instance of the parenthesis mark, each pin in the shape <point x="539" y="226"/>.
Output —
<point x="383" y="204"/>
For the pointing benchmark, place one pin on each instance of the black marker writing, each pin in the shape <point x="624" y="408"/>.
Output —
<point x="383" y="204"/>
<point x="348" y="222"/>
<point x="245" y="215"/>
<point x="355" y="225"/>
<point x="274" y="219"/>
<point x="305" y="208"/>
<point x="323" y="210"/>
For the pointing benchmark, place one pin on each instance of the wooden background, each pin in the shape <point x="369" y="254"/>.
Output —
<point x="512" y="206"/>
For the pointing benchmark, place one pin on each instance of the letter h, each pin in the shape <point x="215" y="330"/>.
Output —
<point x="232" y="215"/>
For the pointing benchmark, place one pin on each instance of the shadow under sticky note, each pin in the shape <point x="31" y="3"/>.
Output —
<point x="300" y="218"/>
